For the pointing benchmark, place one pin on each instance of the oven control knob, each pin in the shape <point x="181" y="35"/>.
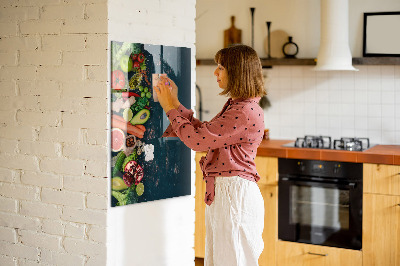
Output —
<point x="302" y="167"/>
<point x="336" y="169"/>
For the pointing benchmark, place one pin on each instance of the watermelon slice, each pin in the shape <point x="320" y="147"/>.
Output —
<point x="117" y="80"/>
<point x="117" y="139"/>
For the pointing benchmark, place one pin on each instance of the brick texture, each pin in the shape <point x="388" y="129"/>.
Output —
<point x="35" y="239"/>
<point x="53" y="120"/>
<point x="54" y="82"/>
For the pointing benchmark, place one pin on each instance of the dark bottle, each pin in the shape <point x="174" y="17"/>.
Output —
<point x="290" y="49"/>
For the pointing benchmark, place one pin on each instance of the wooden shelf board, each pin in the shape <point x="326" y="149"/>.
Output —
<point x="312" y="61"/>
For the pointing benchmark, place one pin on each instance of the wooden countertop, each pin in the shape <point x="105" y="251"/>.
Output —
<point x="379" y="154"/>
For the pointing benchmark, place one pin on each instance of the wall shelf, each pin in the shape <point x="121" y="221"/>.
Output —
<point x="312" y="61"/>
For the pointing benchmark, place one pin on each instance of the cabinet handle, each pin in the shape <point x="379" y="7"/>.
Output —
<point x="318" y="254"/>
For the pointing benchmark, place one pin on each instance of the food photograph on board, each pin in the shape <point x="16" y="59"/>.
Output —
<point x="144" y="165"/>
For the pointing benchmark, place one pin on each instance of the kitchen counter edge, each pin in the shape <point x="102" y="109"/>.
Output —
<point x="379" y="154"/>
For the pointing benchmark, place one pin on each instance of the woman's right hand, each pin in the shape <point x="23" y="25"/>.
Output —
<point x="174" y="90"/>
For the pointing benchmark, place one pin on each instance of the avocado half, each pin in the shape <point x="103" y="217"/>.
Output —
<point x="117" y="183"/>
<point x="141" y="117"/>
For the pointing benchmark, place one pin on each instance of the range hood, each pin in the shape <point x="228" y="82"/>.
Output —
<point x="334" y="51"/>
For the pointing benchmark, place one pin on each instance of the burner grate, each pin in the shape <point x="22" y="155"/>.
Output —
<point x="324" y="142"/>
<point x="351" y="144"/>
<point x="320" y="142"/>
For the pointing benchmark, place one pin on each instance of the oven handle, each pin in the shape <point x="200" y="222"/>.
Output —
<point x="329" y="184"/>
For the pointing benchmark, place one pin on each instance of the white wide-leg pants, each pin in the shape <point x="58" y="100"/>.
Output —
<point x="234" y="223"/>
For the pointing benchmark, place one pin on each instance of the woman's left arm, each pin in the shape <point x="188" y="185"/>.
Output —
<point x="228" y="129"/>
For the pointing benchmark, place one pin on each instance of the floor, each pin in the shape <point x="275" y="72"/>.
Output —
<point x="198" y="262"/>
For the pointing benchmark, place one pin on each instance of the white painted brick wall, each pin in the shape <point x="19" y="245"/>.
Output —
<point x="17" y="191"/>
<point x="8" y="205"/>
<point x="7" y="175"/>
<point x="95" y="169"/>
<point x="96" y="234"/>
<point x="41" y="210"/>
<point x="84" y="247"/>
<point x="53" y="227"/>
<point x="19" y="221"/>
<point x="61" y="258"/>
<point x="53" y="121"/>
<point x="63" y="197"/>
<point x="75" y="230"/>
<point x="95" y="201"/>
<point x="8" y="234"/>
<point x="6" y="260"/>
<point x="41" y="179"/>
<point x="86" y="183"/>
<point x="88" y="216"/>
<point x="35" y="239"/>
<point x="19" y="250"/>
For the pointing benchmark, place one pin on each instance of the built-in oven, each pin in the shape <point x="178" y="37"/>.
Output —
<point x="320" y="202"/>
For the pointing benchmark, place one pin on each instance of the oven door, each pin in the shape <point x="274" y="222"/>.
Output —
<point x="320" y="212"/>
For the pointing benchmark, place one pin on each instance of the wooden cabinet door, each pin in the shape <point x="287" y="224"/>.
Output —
<point x="270" y="233"/>
<point x="381" y="230"/>
<point x="267" y="168"/>
<point x="200" y="207"/>
<point x="381" y="179"/>
<point x="297" y="254"/>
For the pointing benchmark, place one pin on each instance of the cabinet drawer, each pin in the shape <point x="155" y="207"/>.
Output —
<point x="381" y="179"/>
<point x="294" y="254"/>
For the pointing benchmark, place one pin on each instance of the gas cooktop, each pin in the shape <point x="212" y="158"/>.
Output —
<point x="325" y="142"/>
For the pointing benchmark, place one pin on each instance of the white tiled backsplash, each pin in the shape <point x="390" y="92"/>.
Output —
<point x="337" y="104"/>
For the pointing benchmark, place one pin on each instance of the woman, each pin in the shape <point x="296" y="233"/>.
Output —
<point x="235" y="207"/>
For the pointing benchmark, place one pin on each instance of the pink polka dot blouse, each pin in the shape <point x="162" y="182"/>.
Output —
<point x="231" y="139"/>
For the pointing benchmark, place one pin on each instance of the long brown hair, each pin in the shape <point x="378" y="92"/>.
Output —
<point x="245" y="78"/>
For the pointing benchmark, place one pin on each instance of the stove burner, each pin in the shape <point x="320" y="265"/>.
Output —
<point x="324" y="142"/>
<point x="308" y="141"/>
<point x="351" y="144"/>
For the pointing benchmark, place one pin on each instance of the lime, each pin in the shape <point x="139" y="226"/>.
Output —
<point x="127" y="114"/>
<point x="140" y="189"/>
<point x="146" y="89"/>
<point x="126" y="63"/>
<point x="148" y="95"/>
<point x="143" y="94"/>
<point x="141" y="88"/>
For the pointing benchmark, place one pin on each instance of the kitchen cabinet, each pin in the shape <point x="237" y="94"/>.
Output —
<point x="381" y="221"/>
<point x="200" y="207"/>
<point x="381" y="215"/>
<point x="270" y="233"/>
<point x="381" y="230"/>
<point x="381" y="179"/>
<point x="267" y="167"/>
<point x="298" y="254"/>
